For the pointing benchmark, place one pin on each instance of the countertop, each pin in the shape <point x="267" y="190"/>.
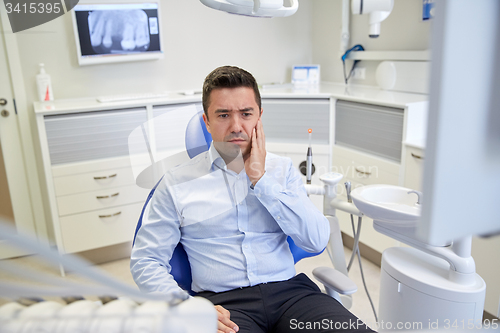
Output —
<point x="325" y="90"/>
<point x="357" y="93"/>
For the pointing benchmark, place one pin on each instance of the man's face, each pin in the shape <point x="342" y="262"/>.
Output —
<point x="232" y="116"/>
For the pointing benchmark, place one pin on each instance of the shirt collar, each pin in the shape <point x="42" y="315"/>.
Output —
<point x="216" y="161"/>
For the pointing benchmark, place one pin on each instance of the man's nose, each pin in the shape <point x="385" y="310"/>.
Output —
<point x="236" y="125"/>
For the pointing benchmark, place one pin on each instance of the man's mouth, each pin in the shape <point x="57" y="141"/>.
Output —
<point x="237" y="140"/>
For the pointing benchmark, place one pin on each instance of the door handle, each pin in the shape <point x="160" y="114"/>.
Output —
<point x="106" y="177"/>
<point x="417" y="156"/>
<point x="107" y="196"/>
<point x="362" y="172"/>
<point x="5" y="113"/>
<point x="110" y="215"/>
<point x="3" y="101"/>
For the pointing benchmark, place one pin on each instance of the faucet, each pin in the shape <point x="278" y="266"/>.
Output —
<point x="419" y="195"/>
<point x="348" y="191"/>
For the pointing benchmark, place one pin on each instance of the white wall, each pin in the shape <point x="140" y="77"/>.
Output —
<point x="196" y="40"/>
<point x="403" y="30"/>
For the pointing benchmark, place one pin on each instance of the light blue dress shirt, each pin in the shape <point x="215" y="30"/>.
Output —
<point x="234" y="236"/>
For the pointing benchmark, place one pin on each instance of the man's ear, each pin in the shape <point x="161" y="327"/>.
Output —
<point x="261" y="111"/>
<point x="205" y="119"/>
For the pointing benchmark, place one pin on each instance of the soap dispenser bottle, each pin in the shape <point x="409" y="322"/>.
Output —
<point x="44" y="85"/>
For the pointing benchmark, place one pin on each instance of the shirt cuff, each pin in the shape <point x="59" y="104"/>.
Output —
<point x="252" y="186"/>
<point x="267" y="187"/>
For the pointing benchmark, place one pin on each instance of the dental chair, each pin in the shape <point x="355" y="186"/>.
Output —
<point x="198" y="140"/>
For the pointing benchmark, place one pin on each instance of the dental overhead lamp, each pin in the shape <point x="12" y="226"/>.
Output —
<point x="255" y="8"/>
<point x="378" y="10"/>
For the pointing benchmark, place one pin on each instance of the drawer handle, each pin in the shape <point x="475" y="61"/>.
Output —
<point x="106" y="177"/>
<point x="111" y="215"/>
<point x="107" y="196"/>
<point x="417" y="156"/>
<point x="363" y="172"/>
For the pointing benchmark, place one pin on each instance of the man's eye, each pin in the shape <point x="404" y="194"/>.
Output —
<point x="247" y="114"/>
<point x="223" y="115"/>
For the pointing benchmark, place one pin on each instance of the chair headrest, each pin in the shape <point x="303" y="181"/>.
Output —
<point x="198" y="139"/>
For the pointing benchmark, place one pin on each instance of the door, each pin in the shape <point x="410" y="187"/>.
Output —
<point x="15" y="203"/>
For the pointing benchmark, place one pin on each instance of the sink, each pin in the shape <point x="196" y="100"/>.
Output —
<point x="387" y="203"/>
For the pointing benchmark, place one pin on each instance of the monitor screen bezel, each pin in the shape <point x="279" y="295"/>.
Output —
<point x="116" y="58"/>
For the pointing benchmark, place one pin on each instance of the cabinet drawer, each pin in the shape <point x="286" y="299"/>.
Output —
<point x="414" y="168"/>
<point x="99" y="228"/>
<point x="375" y="129"/>
<point x="93" y="181"/>
<point x="83" y="202"/>
<point x="363" y="168"/>
<point x="85" y="136"/>
<point x="287" y="120"/>
<point x="91" y="166"/>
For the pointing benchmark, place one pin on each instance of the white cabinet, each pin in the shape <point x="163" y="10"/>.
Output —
<point x="414" y="167"/>
<point x="92" y="192"/>
<point x="94" y="180"/>
<point x="94" y="201"/>
<point x="91" y="189"/>
<point x="95" y="209"/>
<point x="95" y="229"/>
<point x="286" y="122"/>
<point x="360" y="137"/>
<point x="482" y="248"/>
<point x="484" y="252"/>
<point x="369" y="150"/>
<point x="363" y="169"/>
<point x="87" y="136"/>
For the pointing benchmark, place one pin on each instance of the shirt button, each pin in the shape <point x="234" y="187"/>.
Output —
<point x="279" y="217"/>
<point x="246" y="246"/>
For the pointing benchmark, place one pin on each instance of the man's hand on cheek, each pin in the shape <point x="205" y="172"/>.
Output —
<point x="256" y="162"/>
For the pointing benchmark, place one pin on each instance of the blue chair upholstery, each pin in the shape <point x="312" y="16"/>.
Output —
<point x="198" y="140"/>
<point x="195" y="141"/>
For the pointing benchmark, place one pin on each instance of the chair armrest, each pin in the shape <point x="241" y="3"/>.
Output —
<point x="335" y="280"/>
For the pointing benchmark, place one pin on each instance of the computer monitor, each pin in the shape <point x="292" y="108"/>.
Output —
<point x="117" y="32"/>
<point x="462" y="154"/>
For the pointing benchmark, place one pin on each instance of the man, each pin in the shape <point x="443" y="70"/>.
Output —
<point x="232" y="208"/>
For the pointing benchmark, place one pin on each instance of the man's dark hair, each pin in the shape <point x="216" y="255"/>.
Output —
<point x="228" y="77"/>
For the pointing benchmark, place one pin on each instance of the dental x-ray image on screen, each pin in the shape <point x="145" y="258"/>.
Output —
<point x="117" y="32"/>
<point x="114" y="31"/>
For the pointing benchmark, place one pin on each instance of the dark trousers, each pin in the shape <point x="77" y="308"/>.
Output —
<point x="295" y="305"/>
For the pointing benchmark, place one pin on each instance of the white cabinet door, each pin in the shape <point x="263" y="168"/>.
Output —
<point x="414" y="168"/>
<point x="15" y="204"/>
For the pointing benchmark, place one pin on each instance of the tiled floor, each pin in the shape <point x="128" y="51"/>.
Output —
<point x="119" y="269"/>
